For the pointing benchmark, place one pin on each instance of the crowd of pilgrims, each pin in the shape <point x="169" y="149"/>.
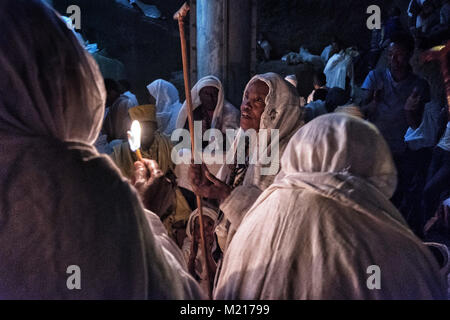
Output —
<point x="359" y="184"/>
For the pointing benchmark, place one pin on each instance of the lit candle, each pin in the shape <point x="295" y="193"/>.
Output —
<point x="134" y="138"/>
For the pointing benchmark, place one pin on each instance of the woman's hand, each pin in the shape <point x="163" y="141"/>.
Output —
<point x="206" y="185"/>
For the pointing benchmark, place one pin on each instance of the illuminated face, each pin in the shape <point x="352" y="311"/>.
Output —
<point x="208" y="225"/>
<point x="253" y="105"/>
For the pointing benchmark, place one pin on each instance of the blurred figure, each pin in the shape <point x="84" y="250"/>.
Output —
<point x="395" y="101"/>
<point x="117" y="122"/>
<point x="63" y="204"/>
<point x="192" y="246"/>
<point x="319" y="82"/>
<point x="167" y="103"/>
<point x="126" y="90"/>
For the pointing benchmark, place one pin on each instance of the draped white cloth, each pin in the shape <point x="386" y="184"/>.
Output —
<point x="167" y="105"/>
<point x="283" y="113"/>
<point x="225" y="116"/>
<point x="62" y="203"/>
<point x="326" y="219"/>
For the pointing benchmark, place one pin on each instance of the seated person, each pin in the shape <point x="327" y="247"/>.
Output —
<point x="192" y="248"/>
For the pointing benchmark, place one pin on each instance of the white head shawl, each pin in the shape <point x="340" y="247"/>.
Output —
<point x="282" y="111"/>
<point x="167" y="104"/>
<point x="338" y="144"/>
<point x="39" y="101"/>
<point x="330" y="218"/>
<point x="208" y="81"/>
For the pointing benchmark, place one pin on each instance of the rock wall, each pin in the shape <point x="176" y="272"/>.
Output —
<point x="148" y="48"/>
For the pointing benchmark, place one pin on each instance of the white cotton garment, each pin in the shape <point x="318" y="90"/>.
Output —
<point x="325" y="224"/>
<point x="225" y="116"/>
<point x="63" y="206"/>
<point x="167" y="105"/>
<point x="133" y="99"/>
<point x="282" y="113"/>
<point x="339" y="67"/>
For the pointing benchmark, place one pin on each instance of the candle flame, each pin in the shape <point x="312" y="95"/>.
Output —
<point x="437" y="48"/>
<point x="134" y="136"/>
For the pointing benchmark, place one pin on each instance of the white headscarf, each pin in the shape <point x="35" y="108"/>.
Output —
<point x="61" y="203"/>
<point x="208" y="81"/>
<point x="330" y="221"/>
<point x="282" y="112"/>
<point x="167" y="104"/>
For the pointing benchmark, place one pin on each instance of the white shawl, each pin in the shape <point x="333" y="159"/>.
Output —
<point x="62" y="203"/>
<point x="225" y="116"/>
<point x="282" y="112"/>
<point x="326" y="219"/>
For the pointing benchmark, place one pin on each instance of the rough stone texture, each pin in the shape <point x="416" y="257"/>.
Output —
<point x="148" y="48"/>
<point x="289" y="24"/>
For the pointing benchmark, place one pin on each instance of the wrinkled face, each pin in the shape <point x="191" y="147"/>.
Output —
<point x="111" y="97"/>
<point x="148" y="133"/>
<point x="208" y="97"/>
<point x="253" y="105"/>
<point x="398" y="58"/>
<point x="208" y="225"/>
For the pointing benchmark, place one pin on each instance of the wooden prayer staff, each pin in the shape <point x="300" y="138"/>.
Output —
<point x="179" y="15"/>
<point x="441" y="53"/>
<point x="134" y="139"/>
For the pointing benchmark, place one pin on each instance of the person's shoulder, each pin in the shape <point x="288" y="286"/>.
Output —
<point x="374" y="76"/>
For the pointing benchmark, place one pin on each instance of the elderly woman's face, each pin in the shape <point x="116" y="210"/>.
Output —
<point x="253" y="105"/>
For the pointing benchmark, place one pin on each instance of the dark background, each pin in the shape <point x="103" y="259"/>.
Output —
<point x="150" y="48"/>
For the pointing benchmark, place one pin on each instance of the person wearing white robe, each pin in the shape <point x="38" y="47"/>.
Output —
<point x="167" y="105"/>
<point x="226" y="116"/>
<point x="64" y="207"/>
<point x="326" y="222"/>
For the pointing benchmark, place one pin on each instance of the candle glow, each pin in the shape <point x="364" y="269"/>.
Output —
<point x="134" y="136"/>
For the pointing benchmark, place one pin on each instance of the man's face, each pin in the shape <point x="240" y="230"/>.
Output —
<point x="208" y="97"/>
<point x="148" y="133"/>
<point x="398" y="59"/>
<point x="253" y="105"/>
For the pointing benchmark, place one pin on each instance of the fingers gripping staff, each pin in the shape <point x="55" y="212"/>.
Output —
<point x="179" y="15"/>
